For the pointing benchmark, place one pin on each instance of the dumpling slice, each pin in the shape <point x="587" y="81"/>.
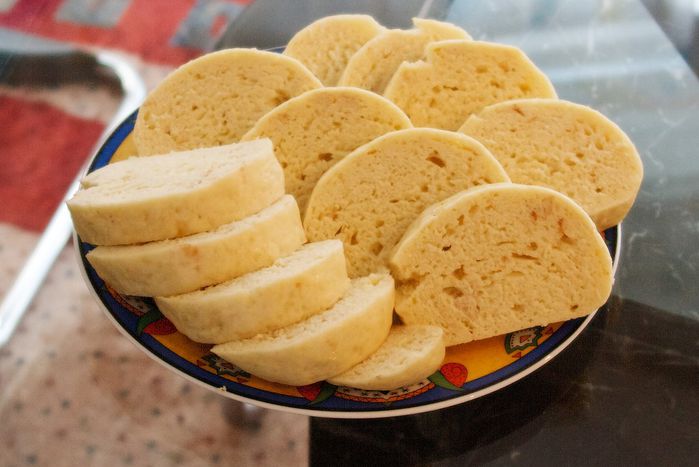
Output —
<point x="499" y="258"/>
<point x="369" y="198"/>
<point x="459" y="77"/>
<point x="565" y="146"/>
<point x="326" y="45"/>
<point x="375" y="63"/>
<point x="214" y="99"/>
<point x="315" y="130"/>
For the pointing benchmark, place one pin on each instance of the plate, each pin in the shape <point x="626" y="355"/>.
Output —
<point x="469" y="370"/>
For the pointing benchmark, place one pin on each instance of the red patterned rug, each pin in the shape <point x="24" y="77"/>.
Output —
<point x="42" y="150"/>
<point x="44" y="138"/>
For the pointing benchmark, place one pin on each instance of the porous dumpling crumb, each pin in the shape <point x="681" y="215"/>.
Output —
<point x="326" y="45"/>
<point x="460" y="77"/>
<point x="498" y="258"/>
<point x="216" y="98"/>
<point x="315" y="130"/>
<point x="370" y="198"/>
<point x="375" y="63"/>
<point x="565" y="146"/>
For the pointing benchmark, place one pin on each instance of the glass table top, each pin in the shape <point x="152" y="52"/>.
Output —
<point x="626" y="390"/>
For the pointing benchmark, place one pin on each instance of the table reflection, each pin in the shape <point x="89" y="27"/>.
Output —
<point x="625" y="390"/>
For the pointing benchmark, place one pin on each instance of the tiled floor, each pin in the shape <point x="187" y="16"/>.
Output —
<point x="73" y="391"/>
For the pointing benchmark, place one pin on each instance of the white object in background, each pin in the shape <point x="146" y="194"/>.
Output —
<point x="59" y="228"/>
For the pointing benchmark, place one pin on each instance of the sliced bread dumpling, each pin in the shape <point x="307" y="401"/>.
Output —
<point x="565" y="146"/>
<point x="314" y="131"/>
<point x="306" y="282"/>
<point x="144" y="199"/>
<point x="498" y="258"/>
<point x="324" y="345"/>
<point x="184" y="264"/>
<point x="369" y="198"/>
<point x="216" y="98"/>
<point x="326" y="45"/>
<point x="439" y="30"/>
<point x="375" y="63"/>
<point x="408" y="355"/>
<point x="460" y="77"/>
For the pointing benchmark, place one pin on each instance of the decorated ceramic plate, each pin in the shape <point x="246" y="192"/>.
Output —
<point x="468" y="371"/>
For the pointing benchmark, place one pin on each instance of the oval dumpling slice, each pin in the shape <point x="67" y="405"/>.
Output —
<point x="314" y="131"/>
<point x="375" y="63"/>
<point x="568" y="147"/>
<point x="460" y="77"/>
<point x="499" y="258"/>
<point x="326" y="45"/>
<point x="370" y="198"/>
<point x="214" y="99"/>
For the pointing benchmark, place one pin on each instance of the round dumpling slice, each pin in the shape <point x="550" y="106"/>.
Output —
<point x="314" y="131"/>
<point x="369" y="199"/>
<point x="460" y="77"/>
<point x="326" y="45"/>
<point x="215" y="99"/>
<point x="498" y="258"/>
<point x="565" y="146"/>
<point x="375" y="63"/>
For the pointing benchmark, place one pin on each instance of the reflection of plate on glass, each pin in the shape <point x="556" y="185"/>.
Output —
<point x="469" y="370"/>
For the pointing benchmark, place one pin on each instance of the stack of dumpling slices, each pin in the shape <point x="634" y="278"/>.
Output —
<point x="239" y="278"/>
<point x="486" y="230"/>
